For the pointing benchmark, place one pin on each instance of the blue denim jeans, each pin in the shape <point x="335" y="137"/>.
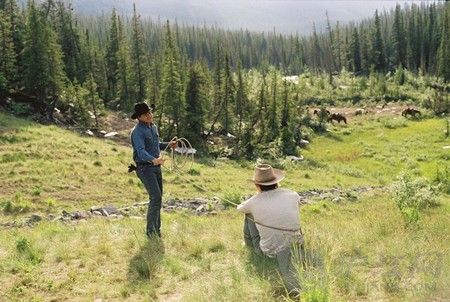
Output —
<point x="151" y="177"/>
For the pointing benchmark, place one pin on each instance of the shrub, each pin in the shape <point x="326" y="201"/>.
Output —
<point x="442" y="179"/>
<point x="27" y="252"/>
<point x="18" y="205"/>
<point x="231" y="198"/>
<point x="412" y="195"/>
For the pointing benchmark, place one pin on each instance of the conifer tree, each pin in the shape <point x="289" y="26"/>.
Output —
<point x="288" y="145"/>
<point x="171" y="86"/>
<point x="338" y="47"/>
<point x="241" y="100"/>
<point x="272" y="115"/>
<point x="444" y="48"/>
<point x="112" y="58"/>
<point x="377" y="48"/>
<point x="365" y="60"/>
<point x="94" y="102"/>
<point x="42" y="56"/>
<point x="138" y="57"/>
<point x="261" y="111"/>
<point x="228" y="96"/>
<point x="123" y="81"/>
<point x="15" y="20"/>
<point x="316" y="51"/>
<point x="398" y="39"/>
<point x="8" y="68"/>
<point x="195" y="98"/>
<point x="218" y="77"/>
<point x="68" y="38"/>
<point x="355" y="54"/>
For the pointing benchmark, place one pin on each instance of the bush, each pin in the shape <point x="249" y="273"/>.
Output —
<point x="442" y="179"/>
<point x="232" y="198"/>
<point x="412" y="195"/>
<point x="27" y="252"/>
<point x="18" y="205"/>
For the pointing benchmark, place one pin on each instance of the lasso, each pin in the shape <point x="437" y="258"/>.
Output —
<point x="186" y="158"/>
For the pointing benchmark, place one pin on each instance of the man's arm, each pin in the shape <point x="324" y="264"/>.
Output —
<point x="138" y="142"/>
<point x="244" y="207"/>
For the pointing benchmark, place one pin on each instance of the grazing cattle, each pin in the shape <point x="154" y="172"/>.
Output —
<point x="360" y="111"/>
<point x="319" y="111"/>
<point x="411" y="112"/>
<point x="337" y="117"/>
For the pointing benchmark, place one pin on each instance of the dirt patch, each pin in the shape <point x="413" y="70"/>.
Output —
<point x="354" y="113"/>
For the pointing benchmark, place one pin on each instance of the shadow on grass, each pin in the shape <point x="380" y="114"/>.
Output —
<point x="145" y="263"/>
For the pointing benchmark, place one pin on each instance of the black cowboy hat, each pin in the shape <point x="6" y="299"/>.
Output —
<point x="142" y="108"/>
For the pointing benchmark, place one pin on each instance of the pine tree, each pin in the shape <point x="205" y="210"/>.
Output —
<point x="69" y="40"/>
<point x="14" y="18"/>
<point x="218" y="77"/>
<point x="338" y="47"/>
<point x="365" y="60"/>
<point x="398" y="39"/>
<point x="316" y="51"/>
<point x="228" y="97"/>
<point x="377" y="48"/>
<point x="138" y="56"/>
<point x="123" y="81"/>
<point x="332" y="44"/>
<point x="94" y="102"/>
<point x="171" y="87"/>
<point x="272" y="115"/>
<point x="241" y="100"/>
<point x="355" y="55"/>
<point x="261" y="111"/>
<point x="112" y="58"/>
<point x="288" y="146"/>
<point x="443" y="57"/>
<point x="8" y="68"/>
<point x="195" y="98"/>
<point x="42" y="56"/>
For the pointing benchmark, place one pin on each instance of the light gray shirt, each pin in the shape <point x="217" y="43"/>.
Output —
<point x="275" y="209"/>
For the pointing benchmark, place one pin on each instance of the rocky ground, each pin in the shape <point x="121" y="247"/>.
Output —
<point x="196" y="206"/>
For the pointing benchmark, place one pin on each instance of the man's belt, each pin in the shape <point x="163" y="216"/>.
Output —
<point x="132" y="167"/>
<point x="147" y="164"/>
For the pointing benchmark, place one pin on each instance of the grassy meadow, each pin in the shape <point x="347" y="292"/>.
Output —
<point x="357" y="249"/>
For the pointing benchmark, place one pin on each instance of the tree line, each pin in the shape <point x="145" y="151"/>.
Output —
<point x="202" y="78"/>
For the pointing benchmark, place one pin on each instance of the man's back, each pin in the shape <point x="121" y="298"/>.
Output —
<point x="277" y="218"/>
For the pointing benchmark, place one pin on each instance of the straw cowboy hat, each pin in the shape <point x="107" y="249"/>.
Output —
<point x="265" y="175"/>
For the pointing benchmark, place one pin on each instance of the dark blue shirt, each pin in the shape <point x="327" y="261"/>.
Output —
<point x="145" y="142"/>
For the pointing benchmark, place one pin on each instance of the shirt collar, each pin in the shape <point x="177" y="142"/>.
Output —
<point x="145" y="125"/>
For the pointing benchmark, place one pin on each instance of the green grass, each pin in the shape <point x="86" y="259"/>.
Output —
<point x="356" y="250"/>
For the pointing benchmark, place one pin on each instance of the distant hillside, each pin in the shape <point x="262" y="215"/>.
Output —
<point x="285" y="15"/>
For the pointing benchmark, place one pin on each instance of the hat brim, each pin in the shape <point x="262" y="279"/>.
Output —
<point x="279" y="176"/>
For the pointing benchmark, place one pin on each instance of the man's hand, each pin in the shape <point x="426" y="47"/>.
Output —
<point x="158" y="161"/>
<point x="173" y="144"/>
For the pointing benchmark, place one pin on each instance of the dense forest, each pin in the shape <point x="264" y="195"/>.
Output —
<point x="205" y="78"/>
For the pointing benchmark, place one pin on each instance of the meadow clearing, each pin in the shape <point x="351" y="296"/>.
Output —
<point x="359" y="248"/>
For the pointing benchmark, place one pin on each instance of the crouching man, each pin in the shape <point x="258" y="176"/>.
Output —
<point x="272" y="224"/>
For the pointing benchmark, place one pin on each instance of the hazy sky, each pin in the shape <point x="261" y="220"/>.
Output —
<point x="258" y="15"/>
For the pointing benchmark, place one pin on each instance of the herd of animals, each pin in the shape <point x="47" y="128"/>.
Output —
<point x="339" y="117"/>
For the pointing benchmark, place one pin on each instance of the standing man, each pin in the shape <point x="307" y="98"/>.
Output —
<point x="272" y="224"/>
<point x="146" y="154"/>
